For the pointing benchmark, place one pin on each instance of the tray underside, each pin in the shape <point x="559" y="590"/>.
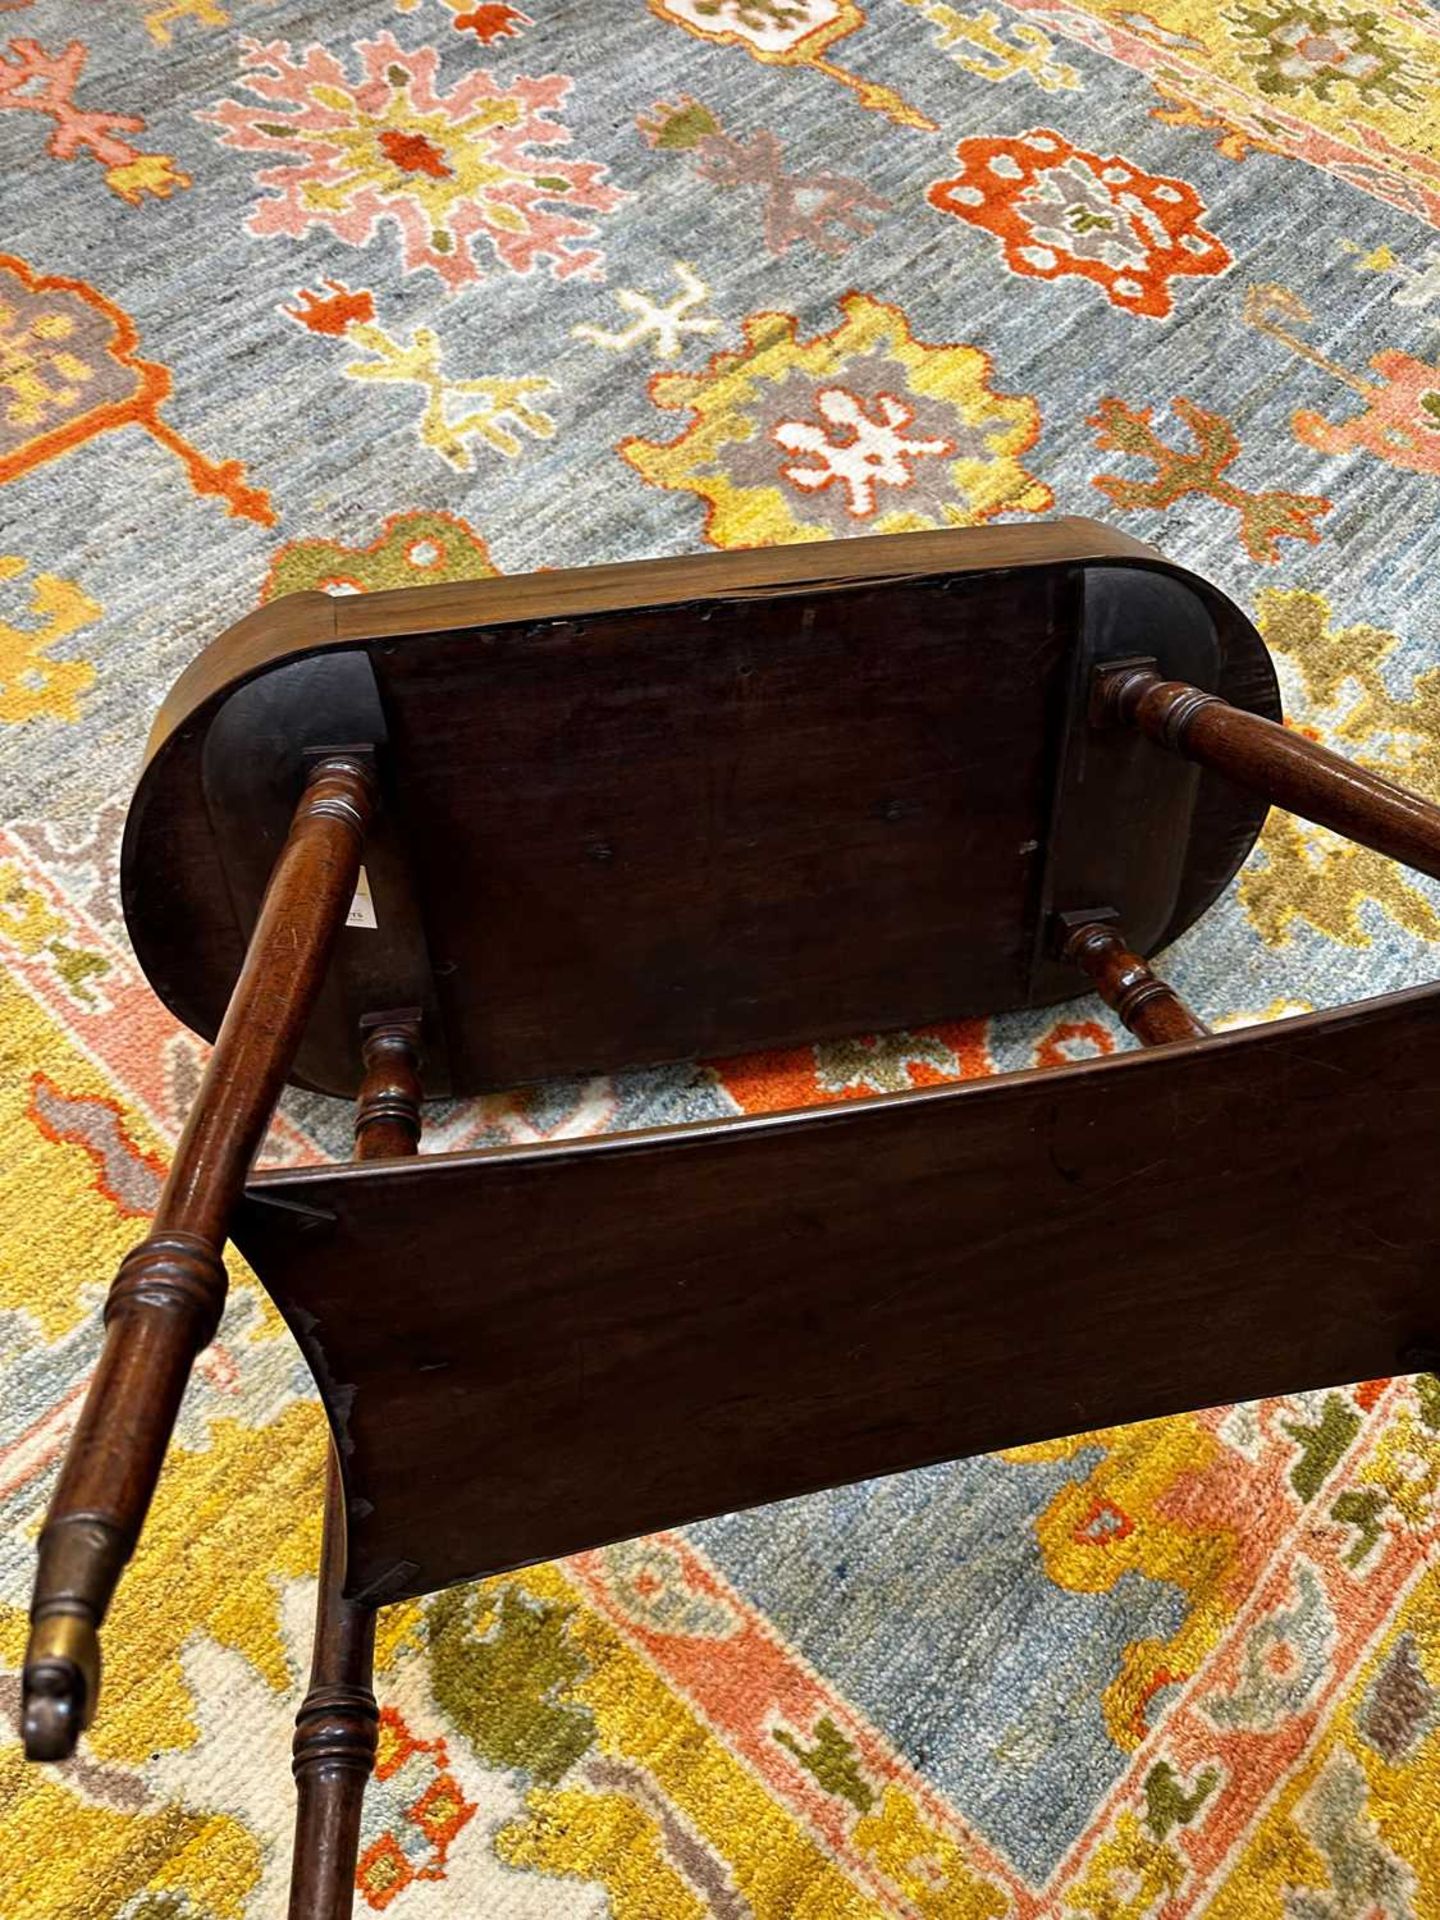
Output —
<point x="723" y="817"/>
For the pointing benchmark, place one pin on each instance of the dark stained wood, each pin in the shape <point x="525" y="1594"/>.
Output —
<point x="596" y="1339"/>
<point x="335" y="1729"/>
<point x="694" y="808"/>
<point x="387" y="1111"/>
<point x="796" y="821"/>
<point x="308" y="622"/>
<point x="1150" y="1008"/>
<point x="335" y="1735"/>
<point x="166" y="1300"/>
<point x="1288" y="769"/>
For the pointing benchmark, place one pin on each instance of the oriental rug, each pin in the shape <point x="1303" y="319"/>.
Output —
<point x="351" y="296"/>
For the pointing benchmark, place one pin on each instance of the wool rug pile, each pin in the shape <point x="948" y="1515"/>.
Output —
<point x="352" y="296"/>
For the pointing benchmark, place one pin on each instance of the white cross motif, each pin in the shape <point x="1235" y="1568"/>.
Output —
<point x="667" y="324"/>
<point x="857" y="450"/>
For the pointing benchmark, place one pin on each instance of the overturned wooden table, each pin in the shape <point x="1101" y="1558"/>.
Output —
<point x="576" y="822"/>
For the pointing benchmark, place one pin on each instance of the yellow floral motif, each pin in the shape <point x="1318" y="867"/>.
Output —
<point x="492" y="406"/>
<point x="1308" y="874"/>
<point x="31" y="927"/>
<point x="32" y="684"/>
<point x="1406" y="1465"/>
<point x="607" y="1836"/>
<point x="86" y="1843"/>
<point x="978" y="44"/>
<point x="161" y="16"/>
<point x="861" y="430"/>
<point x="1282" y="1007"/>
<point x="49" y="1202"/>
<point x="411" y="550"/>
<point x="645" y="1730"/>
<point x="1114" y="1522"/>
<point x="930" y="1870"/>
<point x="193" y="1566"/>
<point x="1130" y="1876"/>
<point x="56" y="1839"/>
<point x="147" y="174"/>
<point x="28" y="922"/>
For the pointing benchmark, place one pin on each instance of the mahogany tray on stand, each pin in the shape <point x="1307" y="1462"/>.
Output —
<point x="576" y="822"/>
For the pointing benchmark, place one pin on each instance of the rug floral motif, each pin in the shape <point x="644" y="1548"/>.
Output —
<point x="347" y="297"/>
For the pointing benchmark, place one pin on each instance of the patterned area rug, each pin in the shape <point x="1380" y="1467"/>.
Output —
<point x="351" y="296"/>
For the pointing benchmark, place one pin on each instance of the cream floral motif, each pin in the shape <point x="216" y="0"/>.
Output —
<point x="854" y="450"/>
<point x="666" y="326"/>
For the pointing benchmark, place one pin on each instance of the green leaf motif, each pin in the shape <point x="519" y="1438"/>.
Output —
<point x="833" y="1762"/>
<point x="505" y="1686"/>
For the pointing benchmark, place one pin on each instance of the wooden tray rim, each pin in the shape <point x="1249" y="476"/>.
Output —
<point x="311" y="621"/>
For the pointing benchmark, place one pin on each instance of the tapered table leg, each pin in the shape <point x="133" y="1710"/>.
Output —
<point x="165" y="1302"/>
<point x="336" y="1727"/>
<point x="1276" y="762"/>
<point x="1150" y="1008"/>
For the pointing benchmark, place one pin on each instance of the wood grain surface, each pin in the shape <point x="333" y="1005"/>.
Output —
<point x="602" y="1338"/>
<point x="698" y="807"/>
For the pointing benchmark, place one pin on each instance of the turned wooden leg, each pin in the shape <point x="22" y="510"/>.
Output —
<point x="335" y="1729"/>
<point x="165" y="1302"/>
<point x="1151" y="1009"/>
<point x="335" y="1734"/>
<point x="1273" y="761"/>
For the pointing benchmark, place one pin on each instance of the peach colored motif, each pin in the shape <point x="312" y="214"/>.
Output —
<point x="460" y="172"/>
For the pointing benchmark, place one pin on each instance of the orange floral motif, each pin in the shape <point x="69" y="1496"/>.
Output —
<point x="69" y="371"/>
<point x="489" y="21"/>
<point x="413" y="153"/>
<point x="1101" y="1523"/>
<point x="1072" y="1040"/>
<point x="1059" y="210"/>
<point x="492" y="22"/>
<point x="332" y="313"/>
<point x="423" y="1808"/>
<point x="850" y="1069"/>
<point x="34" y="81"/>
